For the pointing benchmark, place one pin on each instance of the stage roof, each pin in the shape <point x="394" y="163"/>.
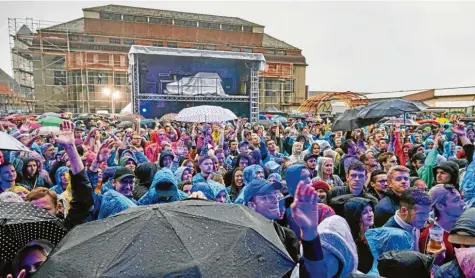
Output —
<point x="186" y="52"/>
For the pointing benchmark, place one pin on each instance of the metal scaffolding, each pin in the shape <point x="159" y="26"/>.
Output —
<point x="60" y="73"/>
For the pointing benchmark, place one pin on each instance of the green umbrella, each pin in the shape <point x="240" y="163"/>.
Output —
<point x="50" y="121"/>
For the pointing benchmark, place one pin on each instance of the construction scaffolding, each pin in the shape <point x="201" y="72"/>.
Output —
<point x="277" y="86"/>
<point x="62" y="69"/>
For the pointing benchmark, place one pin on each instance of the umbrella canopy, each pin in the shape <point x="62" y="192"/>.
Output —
<point x="46" y="130"/>
<point x="24" y="222"/>
<point x="51" y="114"/>
<point x="271" y="109"/>
<point x="8" y="143"/>
<point x="125" y="124"/>
<point x="349" y="120"/>
<point x="390" y="108"/>
<point x="50" y="121"/>
<point x="168" y="117"/>
<point x="205" y="114"/>
<point x="148" y="123"/>
<point x="191" y="238"/>
<point x="297" y="116"/>
<point x="7" y="123"/>
<point x="404" y="122"/>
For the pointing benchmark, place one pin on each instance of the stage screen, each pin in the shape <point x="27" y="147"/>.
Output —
<point x="181" y="75"/>
<point x="155" y="109"/>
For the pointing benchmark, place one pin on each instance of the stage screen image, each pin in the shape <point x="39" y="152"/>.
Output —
<point x="189" y="76"/>
<point x="155" y="109"/>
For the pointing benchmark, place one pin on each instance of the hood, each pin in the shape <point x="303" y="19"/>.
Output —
<point x="145" y="173"/>
<point x="25" y="162"/>
<point x="179" y="173"/>
<point x="466" y="259"/>
<point x="381" y="240"/>
<point x="468" y="182"/>
<point x="405" y="264"/>
<point x="292" y="177"/>
<point x="129" y="152"/>
<point x="163" y="155"/>
<point x="204" y="188"/>
<point x="59" y="172"/>
<point x="324" y="145"/>
<point x="294" y="152"/>
<point x="336" y="238"/>
<point x="301" y="136"/>
<point x="112" y="203"/>
<point x="448" y="149"/>
<point x="107" y="186"/>
<point x="250" y="173"/>
<point x="157" y="190"/>
<point x="108" y="173"/>
<point x="427" y="142"/>
<point x="450" y="167"/>
<point x="123" y="160"/>
<point x="217" y="188"/>
<point x="278" y="177"/>
<point x="353" y="209"/>
<point x="44" y="147"/>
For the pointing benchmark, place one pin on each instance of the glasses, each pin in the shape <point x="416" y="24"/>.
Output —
<point x="274" y="197"/>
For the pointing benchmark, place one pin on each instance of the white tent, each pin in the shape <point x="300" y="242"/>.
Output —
<point x="202" y="83"/>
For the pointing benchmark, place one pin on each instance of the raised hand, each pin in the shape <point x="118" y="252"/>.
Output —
<point x="459" y="129"/>
<point x="25" y="128"/>
<point x="65" y="136"/>
<point x="305" y="210"/>
<point x="22" y="274"/>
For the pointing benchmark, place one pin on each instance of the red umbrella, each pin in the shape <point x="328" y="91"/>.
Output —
<point x="6" y="123"/>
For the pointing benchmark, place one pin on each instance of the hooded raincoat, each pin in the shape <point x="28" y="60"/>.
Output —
<point x="158" y="194"/>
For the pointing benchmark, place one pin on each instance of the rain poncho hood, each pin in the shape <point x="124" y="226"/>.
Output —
<point x="353" y="209"/>
<point x="58" y="188"/>
<point x="179" y="173"/>
<point x="336" y="238"/>
<point x="250" y="173"/>
<point x="468" y="185"/>
<point x="405" y="264"/>
<point x="385" y="239"/>
<point x="217" y="188"/>
<point x="145" y="173"/>
<point x="448" y="153"/>
<point x="123" y="161"/>
<point x="450" y="167"/>
<point x="163" y="155"/>
<point x="112" y="203"/>
<point x="204" y="188"/>
<point x="154" y="193"/>
<point x="466" y="260"/>
<point x="292" y="177"/>
<point x="277" y="177"/>
<point x="427" y="142"/>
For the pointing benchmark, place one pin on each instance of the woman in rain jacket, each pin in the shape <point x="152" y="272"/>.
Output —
<point x="249" y="174"/>
<point x="237" y="184"/>
<point x="164" y="189"/>
<point x="219" y="192"/>
<point x="360" y="218"/>
<point x="35" y="180"/>
<point x="297" y="153"/>
<point x="381" y="240"/>
<point x="62" y="180"/>
<point x="449" y="149"/>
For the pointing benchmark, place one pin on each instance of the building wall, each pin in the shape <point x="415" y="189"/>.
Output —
<point x="300" y="82"/>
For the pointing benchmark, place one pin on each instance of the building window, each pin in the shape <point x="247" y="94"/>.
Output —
<point x="129" y="17"/>
<point x="59" y="77"/>
<point x="280" y="52"/>
<point x="190" y="23"/>
<point x="247" y="50"/>
<point x="236" y="49"/>
<point x="159" y="44"/>
<point x="74" y="38"/>
<point x="129" y="41"/>
<point x="161" y="20"/>
<point x="247" y="29"/>
<point x="289" y="85"/>
<point x="209" y="25"/>
<point x="211" y="47"/>
<point x="114" y="40"/>
<point x="199" y="46"/>
<point x="226" y="27"/>
<point x="271" y="51"/>
<point x="141" y="19"/>
<point x="179" y="22"/>
<point x="90" y="58"/>
<point x="172" y="44"/>
<point x="88" y="38"/>
<point x="110" y="16"/>
<point x="103" y="58"/>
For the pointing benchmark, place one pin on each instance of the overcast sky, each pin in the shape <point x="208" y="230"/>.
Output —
<point x="349" y="46"/>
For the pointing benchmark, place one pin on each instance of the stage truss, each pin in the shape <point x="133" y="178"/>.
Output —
<point x="253" y="99"/>
<point x="322" y="102"/>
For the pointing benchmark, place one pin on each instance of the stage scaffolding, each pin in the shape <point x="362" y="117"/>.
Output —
<point x="62" y="69"/>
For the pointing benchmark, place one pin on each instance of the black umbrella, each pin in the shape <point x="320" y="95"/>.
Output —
<point x="125" y="124"/>
<point x="349" y="120"/>
<point x="21" y="223"/>
<point x="391" y="108"/>
<point x="191" y="238"/>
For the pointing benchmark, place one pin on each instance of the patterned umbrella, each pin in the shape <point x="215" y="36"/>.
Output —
<point x="21" y="223"/>
<point x="205" y="114"/>
<point x="8" y="143"/>
<point x="168" y="117"/>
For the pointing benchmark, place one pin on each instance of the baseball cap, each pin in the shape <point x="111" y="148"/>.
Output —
<point x="309" y="155"/>
<point x="272" y="165"/>
<point x="259" y="187"/>
<point x="123" y="172"/>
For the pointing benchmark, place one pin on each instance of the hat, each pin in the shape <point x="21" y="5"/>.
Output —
<point x="272" y="165"/>
<point x="463" y="232"/>
<point x="310" y="155"/>
<point x="259" y="187"/>
<point x="321" y="185"/>
<point x="123" y="172"/>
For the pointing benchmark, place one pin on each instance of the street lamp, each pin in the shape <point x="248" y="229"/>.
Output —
<point x="106" y="91"/>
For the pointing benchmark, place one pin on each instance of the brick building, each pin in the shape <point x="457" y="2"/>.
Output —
<point x="75" y="62"/>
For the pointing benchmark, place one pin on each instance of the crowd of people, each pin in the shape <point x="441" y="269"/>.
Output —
<point x="363" y="203"/>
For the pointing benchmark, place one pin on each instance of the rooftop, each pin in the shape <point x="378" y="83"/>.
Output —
<point x="390" y="95"/>
<point x="170" y="14"/>
<point x="73" y="26"/>
<point x="468" y="91"/>
<point x="271" y="42"/>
